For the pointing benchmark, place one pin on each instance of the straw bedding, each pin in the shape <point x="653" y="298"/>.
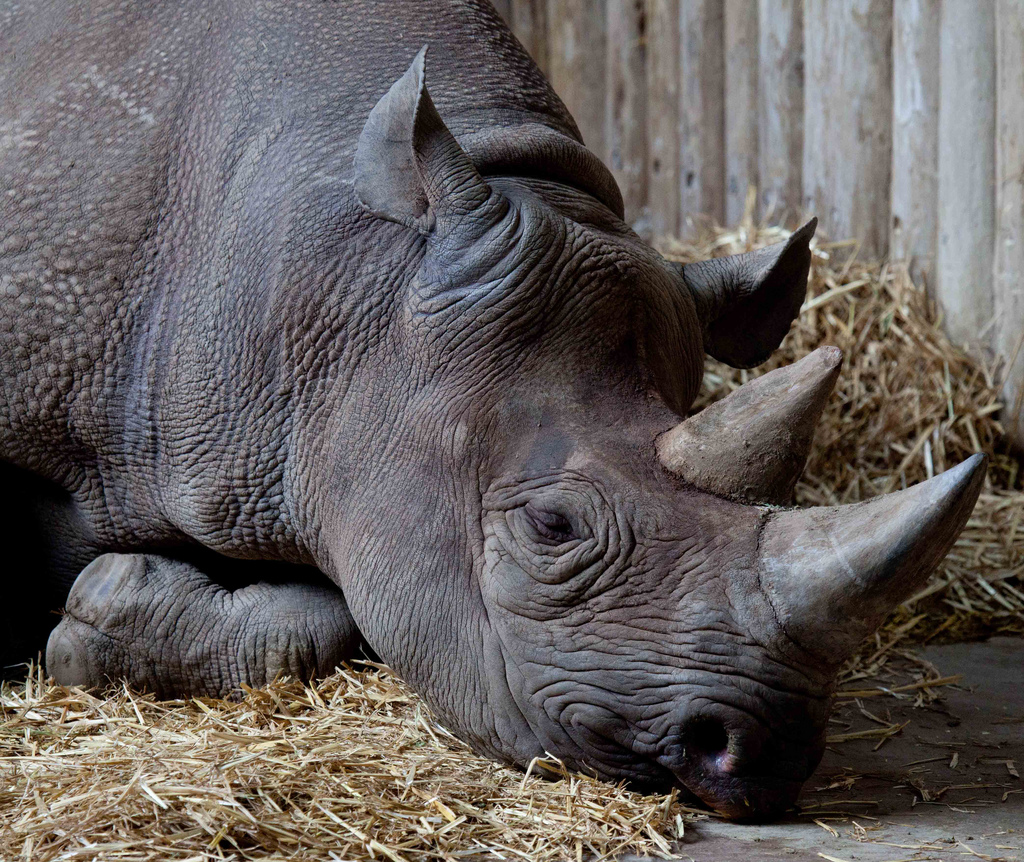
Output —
<point x="353" y="767"/>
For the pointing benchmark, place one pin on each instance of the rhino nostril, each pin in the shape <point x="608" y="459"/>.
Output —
<point x="713" y="747"/>
<point x="709" y="737"/>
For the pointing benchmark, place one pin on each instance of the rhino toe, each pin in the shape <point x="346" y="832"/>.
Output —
<point x="81" y="650"/>
<point x="74" y="654"/>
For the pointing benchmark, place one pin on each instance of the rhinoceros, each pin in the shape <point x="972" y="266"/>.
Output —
<point x="315" y="341"/>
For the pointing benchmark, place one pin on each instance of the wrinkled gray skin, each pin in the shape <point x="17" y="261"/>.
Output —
<point x="278" y="420"/>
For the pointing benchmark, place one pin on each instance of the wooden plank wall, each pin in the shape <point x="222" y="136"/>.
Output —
<point x="848" y="117"/>
<point x="963" y="280"/>
<point x="899" y="123"/>
<point x="1008" y="286"/>
<point x="915" y="133"/>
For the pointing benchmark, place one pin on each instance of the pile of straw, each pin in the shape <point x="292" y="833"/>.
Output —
<point x="348" y="768"/>
<point x="354" y="768"/>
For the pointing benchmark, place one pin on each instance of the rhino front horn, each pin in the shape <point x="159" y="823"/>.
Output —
<point x="834" y="573"/>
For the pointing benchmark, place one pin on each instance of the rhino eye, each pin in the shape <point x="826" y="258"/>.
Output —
<point x="550" y="526"/>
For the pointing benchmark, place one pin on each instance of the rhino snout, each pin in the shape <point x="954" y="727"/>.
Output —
<point x="742" y="773"/>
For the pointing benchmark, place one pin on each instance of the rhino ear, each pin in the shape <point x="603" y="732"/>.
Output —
<point x="408" y="167"/>
<point x="746" y="302"/>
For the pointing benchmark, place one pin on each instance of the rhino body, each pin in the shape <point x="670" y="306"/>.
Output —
<point x="305" y="350"/>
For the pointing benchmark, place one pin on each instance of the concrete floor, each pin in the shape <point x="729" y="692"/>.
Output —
<point x="946" y="788"/>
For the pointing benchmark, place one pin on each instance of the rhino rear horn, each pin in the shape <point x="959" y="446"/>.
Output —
<point x="408" y="166"/>
<point x="746" y="302"/>
<point x="834" y="573"/>
<point x="753" y="444"/>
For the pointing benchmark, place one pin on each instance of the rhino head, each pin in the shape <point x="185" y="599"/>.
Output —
<point x="556" y="561"/>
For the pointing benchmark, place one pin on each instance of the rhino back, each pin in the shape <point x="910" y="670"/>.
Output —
<point x="173" y="176"/>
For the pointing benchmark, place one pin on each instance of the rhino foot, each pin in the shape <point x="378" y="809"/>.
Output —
<point x="164" y="626"/>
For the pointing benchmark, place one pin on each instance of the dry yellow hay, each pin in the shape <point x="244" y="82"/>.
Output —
<point x="353" y="767"/>
<point x="348" y="768"/>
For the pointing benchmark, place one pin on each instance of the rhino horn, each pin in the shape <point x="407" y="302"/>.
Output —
<point x="408" y="166"/>
<point x="834" y="573"/>
<point x="753" y="444"/>
<point x="746" y="302"/>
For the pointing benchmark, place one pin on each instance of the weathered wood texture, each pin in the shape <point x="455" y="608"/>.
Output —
<point x="899" y="123"/>
<point x="663" y="116"/>
<point x="701" y="109"/>
<point x="966" y="205"/>
<point x="915" y="134"/>
<point x="626" y="105"/>
<point x="1008" y="292"/>
<point x="848" y="117"/>
<point x="780" y="109"/>
<point x="740" y="105"/>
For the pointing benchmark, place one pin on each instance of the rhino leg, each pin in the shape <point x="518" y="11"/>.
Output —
<point x="165" y="626"/>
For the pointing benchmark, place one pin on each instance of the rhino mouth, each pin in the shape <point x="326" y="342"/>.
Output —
<point x="705" y="776"/>
<point x="746" y="798"/>
<point x="735" y="785"/>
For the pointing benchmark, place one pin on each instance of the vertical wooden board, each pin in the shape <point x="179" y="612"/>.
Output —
<point x="576" y="65"/>
<point x="740" y="27"/>
<point x="626" y="106"/>
<point x="702" y="109"/>
<point x="663" y="116"/>
<point x="847" y="155"/>
<point x="915" y="134"/>
<point x="1008" y="287"/>
<point x="966" y="198"/>
<point x="780" y="113"/>
<point x="529" y="21"/>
